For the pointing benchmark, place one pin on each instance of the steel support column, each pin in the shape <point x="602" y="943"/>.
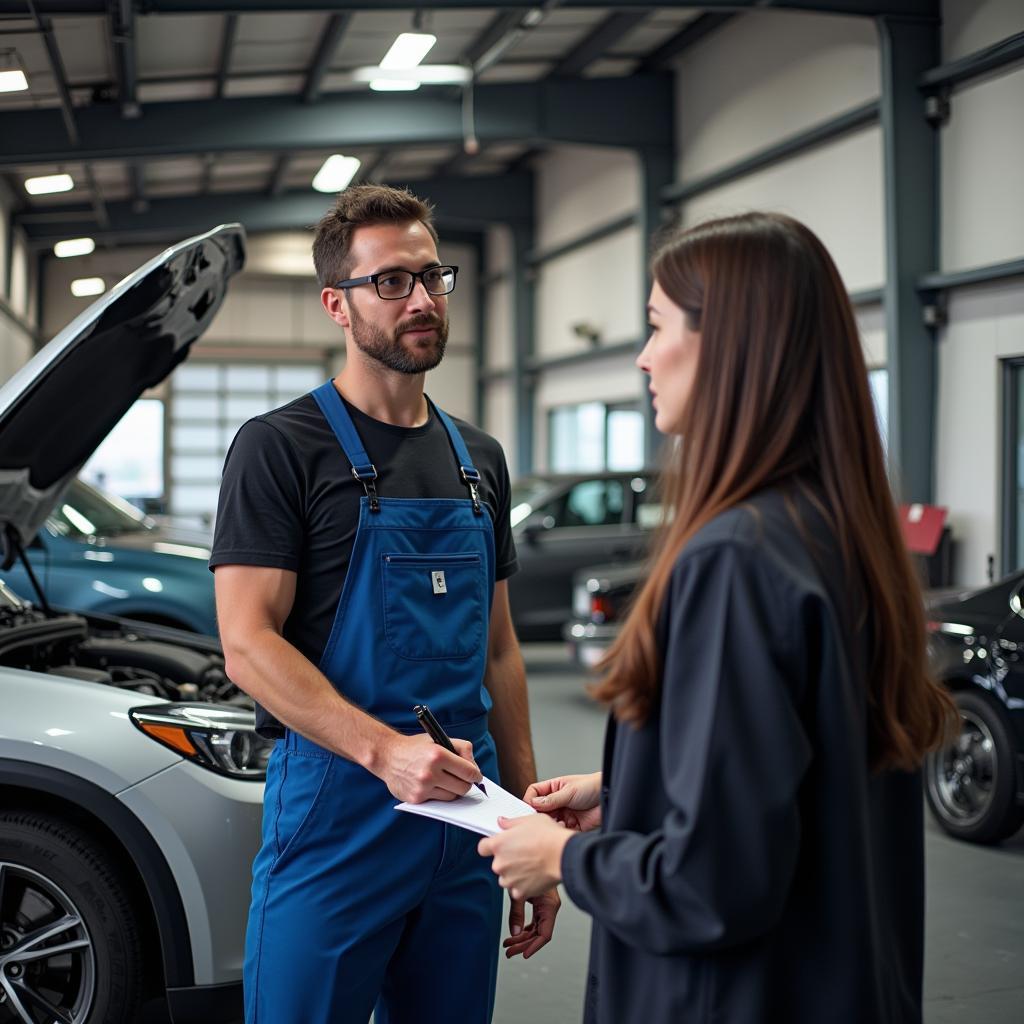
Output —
<point x="480" y="331"/>
<point x="910" y="148"/>
<point x="523" y="322"/>
<point x="657" y="172"/>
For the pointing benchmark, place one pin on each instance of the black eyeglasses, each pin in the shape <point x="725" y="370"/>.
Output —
<point x="398" y="284"/>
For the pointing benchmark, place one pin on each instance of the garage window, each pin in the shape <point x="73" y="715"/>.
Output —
<point x="595" y="436"/>
<point x="209" y="402"/>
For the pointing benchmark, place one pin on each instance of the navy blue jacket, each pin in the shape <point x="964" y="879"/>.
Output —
<point x="749" y="867"/>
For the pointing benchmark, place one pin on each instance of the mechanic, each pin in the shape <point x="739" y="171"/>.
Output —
<point x="361" y="553"/>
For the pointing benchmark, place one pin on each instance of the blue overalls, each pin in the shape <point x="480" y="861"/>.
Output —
<point x="357" y="907"/>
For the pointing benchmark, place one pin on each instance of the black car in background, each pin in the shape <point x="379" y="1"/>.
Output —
<point x="974" y="786"/>
<point x="563" y="523"/>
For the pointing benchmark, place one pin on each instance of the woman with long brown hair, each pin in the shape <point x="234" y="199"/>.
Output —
<point x="752" y="850"/>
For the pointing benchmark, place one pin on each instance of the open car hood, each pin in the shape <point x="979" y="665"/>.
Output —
<point x="57" y="409"/>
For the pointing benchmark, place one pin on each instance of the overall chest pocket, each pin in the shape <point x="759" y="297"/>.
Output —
<point x="434" y="605"/>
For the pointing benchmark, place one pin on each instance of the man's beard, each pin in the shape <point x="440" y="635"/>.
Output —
<point x="389" y="349"/>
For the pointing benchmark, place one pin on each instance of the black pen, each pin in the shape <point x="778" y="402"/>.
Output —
<point x="433" y="729"/>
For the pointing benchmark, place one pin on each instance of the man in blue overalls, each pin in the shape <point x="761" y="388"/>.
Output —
<point x="361" y="551"/>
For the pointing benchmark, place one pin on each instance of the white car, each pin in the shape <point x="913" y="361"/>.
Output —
<point x="131" y="778"/>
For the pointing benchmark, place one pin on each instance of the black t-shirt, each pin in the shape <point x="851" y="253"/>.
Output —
<point x="288" y="500"/>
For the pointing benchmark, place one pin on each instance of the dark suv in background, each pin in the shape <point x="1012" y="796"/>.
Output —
<point x="563" y="523"/>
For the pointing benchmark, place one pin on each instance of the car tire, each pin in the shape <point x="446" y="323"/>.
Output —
<point x="50" y="872"/>
<point x="971" y="784"/>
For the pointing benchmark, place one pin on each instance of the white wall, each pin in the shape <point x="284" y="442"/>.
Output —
<point x="970" y="25"/>
<point x="871" y="323"/>
<point x="836" y="190"/>
<point x="986" y="324"/>
<point x="600" y="286"/>
<point x="982" y="150"/>
<point x="499" y="343"/>
<point x="580" y="188"/>
<point x="766" y="75"/>
<point x="982" y="172"/>
<point x="18" y="306"/>
<point x="786" y="73"/>
<point x="500" y="418"/>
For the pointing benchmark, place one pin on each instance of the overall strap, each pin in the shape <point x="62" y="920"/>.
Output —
<point x="333" y="408"/>
<point x="469" y="473"/>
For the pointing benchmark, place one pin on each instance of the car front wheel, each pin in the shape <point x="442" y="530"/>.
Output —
<point x="971" y="784"/>
<point x="69" y="943"/>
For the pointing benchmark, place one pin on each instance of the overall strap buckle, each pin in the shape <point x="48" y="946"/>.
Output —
<point x="471" y="475"/>
<point x="366" y="475"/>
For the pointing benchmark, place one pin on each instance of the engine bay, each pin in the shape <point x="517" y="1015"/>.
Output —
<point x="112" y="652"/>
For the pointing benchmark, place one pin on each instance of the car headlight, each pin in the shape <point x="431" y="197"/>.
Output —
<point x="216" y="736"/>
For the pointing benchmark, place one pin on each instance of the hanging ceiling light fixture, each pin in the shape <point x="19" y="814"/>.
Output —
<point x="335" y="174"/>
<point x="12" y="75"/>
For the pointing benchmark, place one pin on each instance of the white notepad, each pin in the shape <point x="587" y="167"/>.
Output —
<point x="474" y="811"/>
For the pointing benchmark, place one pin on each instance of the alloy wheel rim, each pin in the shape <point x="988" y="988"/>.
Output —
<point x="47" y="958"/>
<point x="964" y="775"/>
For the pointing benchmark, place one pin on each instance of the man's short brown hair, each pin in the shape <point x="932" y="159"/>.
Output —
<point x="356" y="207"/>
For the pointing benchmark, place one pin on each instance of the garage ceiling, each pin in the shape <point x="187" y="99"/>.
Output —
<point x="176" y="99"/>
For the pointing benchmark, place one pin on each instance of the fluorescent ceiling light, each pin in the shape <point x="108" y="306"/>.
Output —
<point x="83" y="286"/>
<point x="74" y="247"/>
<point x="336" y="173"/>
<point x="432" y="74"/>
<point x="408" y="50"/>
<point x="13" y="81"/>
<point x="49" y="183"/>
<point x="392" y="85"/>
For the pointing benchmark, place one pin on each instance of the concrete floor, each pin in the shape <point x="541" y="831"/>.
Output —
<point x="975" y="924"/>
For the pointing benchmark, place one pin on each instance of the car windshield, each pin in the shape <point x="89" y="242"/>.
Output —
<point x="525" y="493"/>
<point x="85" y="511"/>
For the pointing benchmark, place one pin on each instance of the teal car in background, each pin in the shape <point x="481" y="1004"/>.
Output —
<point x="98" y="553"/>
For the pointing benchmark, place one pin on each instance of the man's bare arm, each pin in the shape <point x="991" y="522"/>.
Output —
<point x="506" y="682"/>
<point x="253" y="603"/>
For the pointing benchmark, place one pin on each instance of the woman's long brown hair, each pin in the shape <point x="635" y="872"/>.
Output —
<point x="781" y="397"/>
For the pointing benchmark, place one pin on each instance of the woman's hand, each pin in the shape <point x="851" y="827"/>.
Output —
<point x="527" y="854"/>
<point x="573" y="800"/>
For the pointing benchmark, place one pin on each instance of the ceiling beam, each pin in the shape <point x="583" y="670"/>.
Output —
<point x="454" y="164"/>
<point x="369" y="171"/>
<point x="99" y="208"/>
<point x="493" y="33"/>
<point x="868" y="8"/>
<point x="336" y="28"/>
<point x="206" y="177"/>
<point x="279" y="173"/>
<point x="138" y="203"/>
<point x="227" y="45"/>
<point x="702" y="26"/>
<point x="596" y="42"/>
<point x="466" y="203"/>
<point x="67" y="111"/>
<point x="122" y="32"/>
<point x="638" y="108"/>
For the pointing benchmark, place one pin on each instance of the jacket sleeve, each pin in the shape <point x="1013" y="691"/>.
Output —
<point x="733" y="752"/>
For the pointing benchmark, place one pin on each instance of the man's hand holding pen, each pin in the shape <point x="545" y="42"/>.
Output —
<point x="415" y="768"/>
